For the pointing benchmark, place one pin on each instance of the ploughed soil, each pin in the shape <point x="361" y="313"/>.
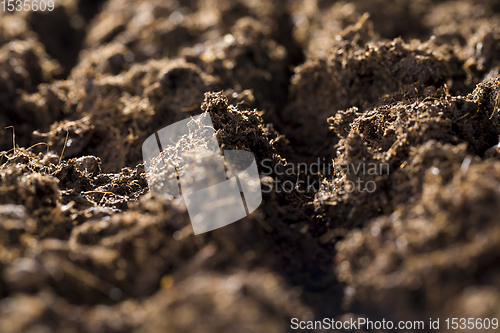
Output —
<point x="399" y="98"/>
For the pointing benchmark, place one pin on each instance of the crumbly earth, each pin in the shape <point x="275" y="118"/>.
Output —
<point x="400" y="98"/>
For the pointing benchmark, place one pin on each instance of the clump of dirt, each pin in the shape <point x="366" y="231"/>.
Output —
<point x="111" y="116"/>
<point x="271" y="306"/>
<point x="239" y="129"/>
<point x="247" y="58"/>
<point x="432" y="197"/>
<point x="148" y="30"/>
<point x="396" y="143"/>
<point x="24" y="65"/>
<point x="267" y="306"/>
<point x="13" y="27"/>
<point x="236" y="42"/>
<point x="417" y="261"/>
<point x="360" y="76"/>
<point x="471" y="28"/>
<point x="320" y="25"/>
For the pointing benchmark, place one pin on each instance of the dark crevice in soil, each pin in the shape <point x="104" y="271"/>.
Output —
<point x="88" y="9"/>
<point x="57" y="31"/>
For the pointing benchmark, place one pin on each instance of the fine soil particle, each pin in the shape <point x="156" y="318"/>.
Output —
<point x="399" y="99"/>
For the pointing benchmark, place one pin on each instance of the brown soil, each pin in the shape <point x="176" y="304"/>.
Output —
<point x="411" y="88"/>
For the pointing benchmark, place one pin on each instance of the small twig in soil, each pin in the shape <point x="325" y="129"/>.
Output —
<point x="64" y="148"/>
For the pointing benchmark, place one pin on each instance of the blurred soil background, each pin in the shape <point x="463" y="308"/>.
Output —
<point x="414" y="85"/>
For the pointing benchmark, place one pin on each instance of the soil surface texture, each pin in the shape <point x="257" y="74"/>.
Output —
<point x="374" y="124"/>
